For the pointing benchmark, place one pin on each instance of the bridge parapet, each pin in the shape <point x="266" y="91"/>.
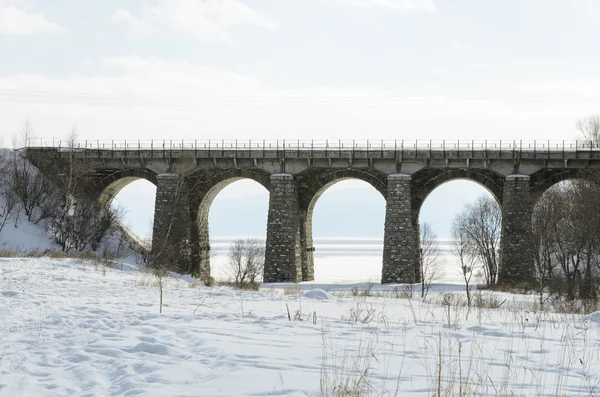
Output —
<point x="322" y="148"/>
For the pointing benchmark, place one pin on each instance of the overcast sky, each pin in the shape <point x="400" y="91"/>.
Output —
<point x="201" y="69"/>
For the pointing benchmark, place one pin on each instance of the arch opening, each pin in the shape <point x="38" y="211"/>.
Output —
<point x="344" y="222"/>
<point x="135" y="197"/>
<point x="232" y="209"/>
<point x="438" y="209"/>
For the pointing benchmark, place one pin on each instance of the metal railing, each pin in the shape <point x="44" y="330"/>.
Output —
<point x="318" y="145"/>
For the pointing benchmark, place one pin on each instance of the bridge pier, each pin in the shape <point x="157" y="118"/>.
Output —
<point x="201" y="248"/>
<point x="282" y="251"/>
<point x="400" y="241"/>
<point x="516" y="245"/>
<point x="306" y="247"/>
<point x="171" y="238"/>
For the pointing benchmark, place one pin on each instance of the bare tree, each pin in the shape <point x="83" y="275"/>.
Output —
<point x="246" y="261"/>
<point x="589" y="128"/>
<point x="544" y="241"/>
<point x="432" y="267"/>
<point x="24" y="137"/>
<point x="8" y="206"/>
<point x="465" y="252"/>
<point x="481" y="222"/>
<point x="160" y="272"/>
<point x="566" y="229"/>
<point x="29" y="186"/>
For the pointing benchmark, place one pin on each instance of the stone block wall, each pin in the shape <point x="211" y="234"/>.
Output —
<point x="306" y="246"/>
<point x="283" y="255"/>
<point x="400" y="241"/>
<point x="516" y="246"/>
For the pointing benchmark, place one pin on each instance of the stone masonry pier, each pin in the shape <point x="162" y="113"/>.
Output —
<point x="189" y="174"/>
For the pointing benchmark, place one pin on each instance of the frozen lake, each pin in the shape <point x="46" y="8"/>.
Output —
<point x="341" y="260"/>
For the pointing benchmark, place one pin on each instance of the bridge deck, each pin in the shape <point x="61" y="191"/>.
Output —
<point x="382" y="149"/>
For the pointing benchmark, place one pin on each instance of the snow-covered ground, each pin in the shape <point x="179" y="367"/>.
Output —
<point x="69" y="328"/>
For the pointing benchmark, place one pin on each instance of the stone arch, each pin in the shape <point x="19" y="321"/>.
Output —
<point x="425" y="182"/>
<point x="543" y="180"/>
<point x="204" y="190"/>
<point x="111" y="184"/>
<point x="313" y="184"/>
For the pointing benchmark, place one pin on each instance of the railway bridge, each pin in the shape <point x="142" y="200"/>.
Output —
<point x="189" y="174"/>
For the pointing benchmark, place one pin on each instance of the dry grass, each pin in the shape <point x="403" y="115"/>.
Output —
<point x="241" y="286"/>
<point x="292" y="289"/>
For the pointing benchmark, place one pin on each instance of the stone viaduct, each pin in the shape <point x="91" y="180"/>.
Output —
<point x="188" y="176"/>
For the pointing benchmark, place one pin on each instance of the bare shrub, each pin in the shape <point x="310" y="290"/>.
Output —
<point x="366" y="290"/>
<point x="432" y="269"/>
<point x="362" y="312"/>
<point x="83" y="226"/>
<point x="31" y="189"/>
<point x="246" y="261"/>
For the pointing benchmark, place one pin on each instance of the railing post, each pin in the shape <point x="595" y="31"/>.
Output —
<point x="402" y="149"/>
<point x="444" y="148"/>
<point x="326" y="147"/>
<point x="485" y="151"/>
<point x="548" y="148"/>
<point x="576" y="149"/>
<point x="563" y="149"/>
<point x="520" y="148"/>
<point x="222" y="147"/>
<point x="298" y="149"/>
<point x="236" y="148"/>
<point x="312" y="147"/>
<point x="534" y="148"/>
<point x="430" y="148"/>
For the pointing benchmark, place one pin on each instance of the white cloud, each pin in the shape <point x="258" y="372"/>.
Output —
<point x="16" y="19"/>
<point x="428" y="5"/>
<point x="142" y="98"/>
<point x="206" y="20"/>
